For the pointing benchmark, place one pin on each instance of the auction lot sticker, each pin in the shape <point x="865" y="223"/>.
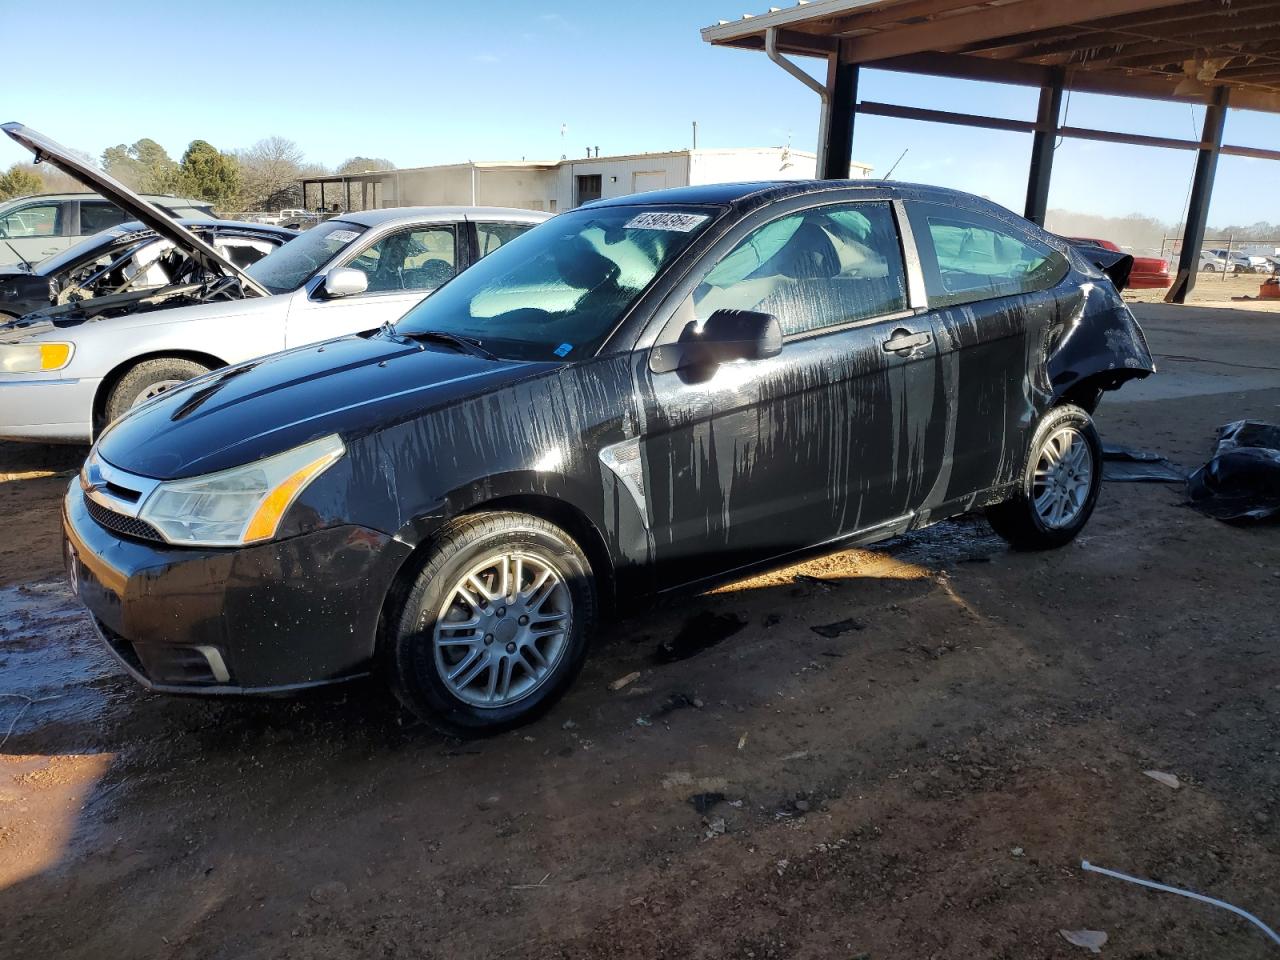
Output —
<point x="679" y="222"/>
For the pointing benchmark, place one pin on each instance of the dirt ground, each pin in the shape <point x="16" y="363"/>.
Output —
<point x="1211" y="289"/>
<point x="922" y="784"/>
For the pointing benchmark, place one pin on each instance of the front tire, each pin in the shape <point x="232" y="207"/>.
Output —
<point x="495" y="625"/>
<point x="147" y="380"/>
<point x="1059" y="487"/>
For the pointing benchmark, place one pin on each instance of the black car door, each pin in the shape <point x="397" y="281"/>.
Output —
<point x="840" y="432"/>
<point x="989" y="281"/>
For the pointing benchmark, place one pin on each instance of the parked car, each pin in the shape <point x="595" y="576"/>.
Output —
<point x="32" y="228"/>
<point x="67" y="371"/>
<point x="1258" y="263"/>
<point x="1219" y="258"/>
<point x="645" y="394"/>
<point x="1210" y="262"/>
<point x="1148" y="273"/>
<point x="129" y="258"/>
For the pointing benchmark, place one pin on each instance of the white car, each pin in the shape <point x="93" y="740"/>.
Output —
<point x="67" y="371"/>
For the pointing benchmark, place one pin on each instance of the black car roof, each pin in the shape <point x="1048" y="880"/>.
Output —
<point x="750" y="193"/>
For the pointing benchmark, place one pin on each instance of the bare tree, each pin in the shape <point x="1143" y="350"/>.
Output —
<point x="365" y="165"/>
<point x="270" y="170"/>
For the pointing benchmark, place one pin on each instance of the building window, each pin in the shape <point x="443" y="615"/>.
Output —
<point x="589" y="188"/>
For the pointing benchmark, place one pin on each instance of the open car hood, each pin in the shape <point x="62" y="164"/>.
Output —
<point x="162" y="223"/>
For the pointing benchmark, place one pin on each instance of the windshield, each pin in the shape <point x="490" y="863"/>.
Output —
<point x="297" y="261"/>
<point x="558" y="291"/>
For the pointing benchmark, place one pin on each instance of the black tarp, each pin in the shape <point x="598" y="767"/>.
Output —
<point x="1127" y="465"/>
<point x="1241" y="482"/>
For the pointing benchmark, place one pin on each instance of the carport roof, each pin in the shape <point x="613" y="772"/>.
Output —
<point x="1167" y="49"/>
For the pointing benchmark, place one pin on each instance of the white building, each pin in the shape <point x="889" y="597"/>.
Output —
<point x="558" y="185"/>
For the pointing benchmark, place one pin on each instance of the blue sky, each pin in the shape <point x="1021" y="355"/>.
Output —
<point x="430" y="82"/>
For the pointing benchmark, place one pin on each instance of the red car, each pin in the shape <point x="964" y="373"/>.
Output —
<point x="1149" y="273"/>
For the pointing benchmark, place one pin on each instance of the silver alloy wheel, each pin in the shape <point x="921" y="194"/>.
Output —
<point x="502" y="629"/>
<point x="153" y="391"/>
<point x="1063" y="478"/>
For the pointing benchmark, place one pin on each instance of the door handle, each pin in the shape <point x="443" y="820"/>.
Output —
<point x="904" y="342"/>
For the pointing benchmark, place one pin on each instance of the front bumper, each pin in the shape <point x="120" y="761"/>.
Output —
<point x="55" y="411"/>
<point x="268" y="618"/>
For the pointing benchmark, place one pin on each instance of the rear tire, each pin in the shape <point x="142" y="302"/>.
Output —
<point x="494" y="626"/>
<point x="1061" y="479"/>
<point x="149" y="379"/>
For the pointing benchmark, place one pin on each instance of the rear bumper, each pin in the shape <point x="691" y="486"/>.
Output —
<point x="1148" y="281"/>
<point x="264" y="619"/>
<point x="55" y="411"/>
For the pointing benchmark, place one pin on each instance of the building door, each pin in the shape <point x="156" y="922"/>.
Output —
<point x="589" y="187"/>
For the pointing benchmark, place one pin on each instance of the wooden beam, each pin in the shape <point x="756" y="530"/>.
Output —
<point x="1143" y="85"/>
<point x="1129" y="139"/>
<point x="1146" y="57"/>
<point x="791" y="42"/>
<point x="873" y="109"/>
<point x="812" y="15"/>
<point x="1115" y="31"/>
<point x="966" y="68"/>
<point x="1257" y="153"/>
<point x="913" y="11"/>
<point x="1015" y="18"/>
<point x="1046" y="126"/>
<point x="1261" y="69"/>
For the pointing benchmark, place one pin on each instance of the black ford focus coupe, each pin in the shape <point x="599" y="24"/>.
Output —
<point x="645" y="394"/>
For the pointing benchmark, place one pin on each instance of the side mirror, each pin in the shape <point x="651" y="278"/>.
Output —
<point x="344" y="282"/>
<point x="730" y="335"/>
<point x="725" y="336"/>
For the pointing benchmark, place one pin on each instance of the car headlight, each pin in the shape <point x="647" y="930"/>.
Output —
<point x="34" y="357"/>
<point x="241" y="505"/>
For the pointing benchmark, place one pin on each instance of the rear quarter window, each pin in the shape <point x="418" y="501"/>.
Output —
<point x="969" y="256"/>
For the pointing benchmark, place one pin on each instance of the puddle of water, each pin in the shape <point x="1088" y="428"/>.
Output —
<point x="50" y="654"/>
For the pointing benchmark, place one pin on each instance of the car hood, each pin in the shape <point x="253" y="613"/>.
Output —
<point x="349" y="386"/>
<point x="148" y="213"/>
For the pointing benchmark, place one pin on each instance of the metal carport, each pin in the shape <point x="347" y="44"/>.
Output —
<point x="1219" y="53"/>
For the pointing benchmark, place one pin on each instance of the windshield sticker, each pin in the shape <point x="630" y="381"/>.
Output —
<point x="679" y="222"/>
<point x="342" y="236"/>
<point x="564" y="350"/>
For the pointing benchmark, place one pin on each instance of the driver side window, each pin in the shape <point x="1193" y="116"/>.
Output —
<point x="417" y="259"/>
<point x="820" y="268"/>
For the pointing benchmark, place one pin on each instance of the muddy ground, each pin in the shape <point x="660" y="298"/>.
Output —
<point x="924" y="783"/>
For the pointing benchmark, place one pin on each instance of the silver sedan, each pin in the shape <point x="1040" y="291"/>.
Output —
<point x="63" y="380"/>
